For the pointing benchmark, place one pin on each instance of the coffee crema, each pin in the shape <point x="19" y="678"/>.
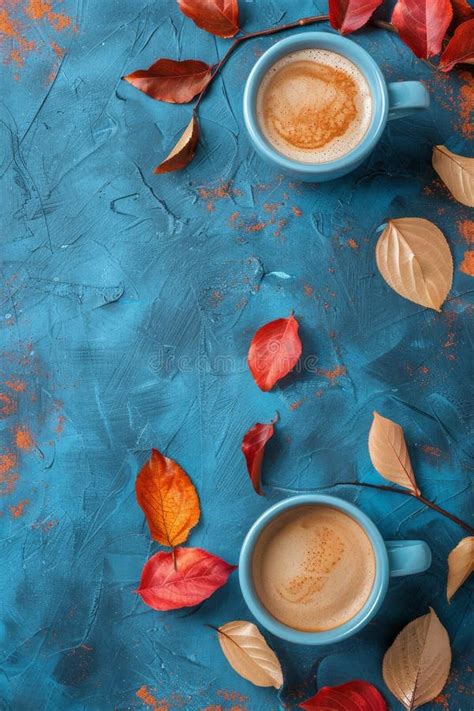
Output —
<point x="314" y="106"/>
<point x="313" y="568"/>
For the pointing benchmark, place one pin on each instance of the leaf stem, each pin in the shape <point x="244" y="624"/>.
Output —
<point x="173" y="555"/>
<point x="421" y="498"/>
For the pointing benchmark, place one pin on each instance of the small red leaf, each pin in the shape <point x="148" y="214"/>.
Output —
<point x="422" y="24"/>
<point x="353" y="696"/>
<point x="219" y="17"/>
<point x="462" y="11"/>
<point x="350" y="15"/>
<point x="188" y="580"/>
<point x="253" y="447"/>
<point x="460" y="49"/>
<point x="174" y="82"/>
<point x="274" y="351"/>
<point x="183" y="152"/>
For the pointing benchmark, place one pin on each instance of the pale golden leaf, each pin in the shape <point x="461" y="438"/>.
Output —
<point x="416" y="666"/>
<point x="460" y="565"/>
<point x="184" y="150"/>
<point x="389" y="454"/>
<point x="249" y="655"/>
<point x="456" y="172"/>
<point x="414" y="259"/>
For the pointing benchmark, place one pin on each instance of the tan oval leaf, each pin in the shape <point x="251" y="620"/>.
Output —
<point x="456" y="172"/>
<point x="183" y="152"/>
<point x="249" y="655"/>
<point x="414" y="259"/>
<point x="389" y="454"/>
<point x="460" y="565"/>
<point x="416" y="666"/>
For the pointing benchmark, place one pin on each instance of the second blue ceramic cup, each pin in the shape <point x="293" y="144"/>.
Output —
<point x="392" y="559"/>
<point x="389" y="101"/>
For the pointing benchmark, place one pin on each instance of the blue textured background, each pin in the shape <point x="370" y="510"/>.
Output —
<point x="121" y="289"/>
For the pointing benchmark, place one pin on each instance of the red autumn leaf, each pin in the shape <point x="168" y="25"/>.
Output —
<point x="274" y="351"/>
<point x="422" y="24"/>
<point x="462" y="11"/>
<point x="353" y="696"/>
<point x="219" y="17"/>
<point x="460" y="49"/>
<point x="350" y="15"/>
<point x="253" y="447"/>
<point x="193" y="576"/>
<point x="174" y="82"/>
<point x="183" y="152"/>
<point x="168" y="499"/>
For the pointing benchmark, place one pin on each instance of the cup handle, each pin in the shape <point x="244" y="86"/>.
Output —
<point x="406" y="97"/>
<point x="407" y="557"/>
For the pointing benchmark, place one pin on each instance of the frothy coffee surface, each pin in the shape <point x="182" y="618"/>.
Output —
<point x="314" y="106"/>
<point x="313" y="568"/>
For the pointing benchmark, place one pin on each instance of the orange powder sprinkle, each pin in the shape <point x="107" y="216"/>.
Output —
<point x="466" y="102"/>
<point x="18" y="386"/>
<point x="231" y="695"/>
<point x="333" y="374"/>
<point x="467" y="264"/>
<point x="7" y="405"/>
<point x="308" y="290"/>
<point x="18" y="510"/>
<point x="352" y="244"/>
<point x="149" y="700"/>
<point x="23" y="438"/>
<point x="296" y="211"/>
<point x="8" y="478"/>
<point x="295" y="405"/>
<point x="466" y="228"/>
<point x="57" y="49"/>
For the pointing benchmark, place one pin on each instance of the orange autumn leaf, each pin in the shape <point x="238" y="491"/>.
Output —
<point x="168" y="499"/>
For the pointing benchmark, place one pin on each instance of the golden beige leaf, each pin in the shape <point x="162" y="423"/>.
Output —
<point x="456" y="172"/>
<point x="416" y="666"/>
<point x="389" y="454"/>
<point x="460" y="565"/>
<point x="414" y="258"/>
<point x="183" y="152"/>
<point x="249" y="655"/>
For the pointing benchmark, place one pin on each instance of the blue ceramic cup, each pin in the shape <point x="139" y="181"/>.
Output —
<point x="389" y="101"/>
<point x="392" y="559"/>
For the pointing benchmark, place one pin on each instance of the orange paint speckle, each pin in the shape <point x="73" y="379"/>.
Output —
<point x="149" y="700"/>
<point x="7" y="405"/>
<point x="333" y="374"/>
<point x="18" y="510"/>
<point x="352" y="244"/>
<point x="19" y="386"/>
<point x="466" y="228"/>
<point x="8" y="477"/>
<point x="424" y="369"/>
<point x="296" y="211"/>
<point x="23" y="439"/>
<point x="467" y="264"/>
<point x="433" y="451"/>
<point x="295" y="405"/>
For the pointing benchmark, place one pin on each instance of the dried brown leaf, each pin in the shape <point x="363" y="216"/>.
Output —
<point x="414" y="259"/>
<point x="456" y="172"/>
<point x="249" y="655"/>
<point x="460" y="565"/>
<point x="389" y="454"/>
<point x="416" y="666"/>
<point x="183" y="152"/>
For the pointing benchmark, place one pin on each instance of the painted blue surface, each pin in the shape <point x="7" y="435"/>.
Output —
<point x="125" y="297"/>
<point x="391" y="100"/>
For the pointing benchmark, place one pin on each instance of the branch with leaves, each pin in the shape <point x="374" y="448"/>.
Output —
<point x="423" y="25"/>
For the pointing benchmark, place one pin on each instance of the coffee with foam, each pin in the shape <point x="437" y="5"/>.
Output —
<point x="314" y="106"/>
<point x="313" y="568"/>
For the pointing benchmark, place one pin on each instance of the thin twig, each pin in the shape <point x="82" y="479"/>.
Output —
<point x="250" y="35"/>
<point x="421" y="498"/>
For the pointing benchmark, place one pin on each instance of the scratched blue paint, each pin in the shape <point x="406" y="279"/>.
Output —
<point x="126" y="295"/>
